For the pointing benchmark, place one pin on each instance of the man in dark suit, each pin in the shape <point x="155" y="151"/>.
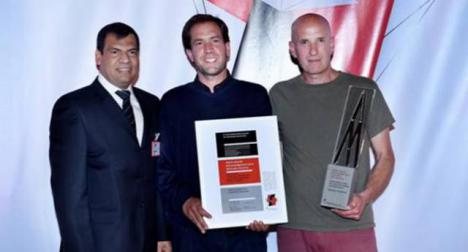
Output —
<point x="103" y="151"/>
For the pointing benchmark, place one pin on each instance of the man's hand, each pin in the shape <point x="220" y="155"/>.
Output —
<point x="258" y="226"/>
<point x="355" y="207"/>
<point x="194" y="211"/>
<point x="164" y="246"/>
<point x="378" y="179"/>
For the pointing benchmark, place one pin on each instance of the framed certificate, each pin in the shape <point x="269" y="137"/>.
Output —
<point x="241" y="176"/>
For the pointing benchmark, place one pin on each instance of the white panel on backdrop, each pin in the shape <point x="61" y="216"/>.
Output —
<point x="423" y="72"/>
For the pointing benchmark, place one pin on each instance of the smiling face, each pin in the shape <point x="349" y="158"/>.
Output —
<point x="312" y="45"/>
<point x="209" y="53"/>
<point x="119" y="60"/>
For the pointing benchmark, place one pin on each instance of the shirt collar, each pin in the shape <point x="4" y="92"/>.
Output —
<point x="111" y="88"/>
<point x="221" y="86"/>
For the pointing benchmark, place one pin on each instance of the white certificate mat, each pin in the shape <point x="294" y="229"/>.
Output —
<point x="241" y="175"/>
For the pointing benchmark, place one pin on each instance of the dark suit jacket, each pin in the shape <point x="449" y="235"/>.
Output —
<point x="103" y="182"/>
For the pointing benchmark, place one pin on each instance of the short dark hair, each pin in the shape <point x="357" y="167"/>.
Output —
<point x="203" y="18"/>
<point x="120" y="30"/>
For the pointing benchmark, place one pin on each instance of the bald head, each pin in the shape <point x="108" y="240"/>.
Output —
<point x="310" y="20"/>
<point x="312" y="48"/>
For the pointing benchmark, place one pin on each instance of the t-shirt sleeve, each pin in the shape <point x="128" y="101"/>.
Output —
<point x="380" y="116"/>
<point x="273" y="94"/>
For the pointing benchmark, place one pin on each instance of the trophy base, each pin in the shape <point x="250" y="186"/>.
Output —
<point x="337" y="187"/>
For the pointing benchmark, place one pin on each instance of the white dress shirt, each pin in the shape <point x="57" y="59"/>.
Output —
<point x="133" y="101"/>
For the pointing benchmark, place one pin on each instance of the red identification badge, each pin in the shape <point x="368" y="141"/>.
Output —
<point x="155" y="146"/>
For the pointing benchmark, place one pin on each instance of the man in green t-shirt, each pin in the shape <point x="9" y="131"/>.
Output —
<point x="309" y="109"/>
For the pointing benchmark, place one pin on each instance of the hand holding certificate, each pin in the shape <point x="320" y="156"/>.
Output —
<point x="194" y="211"/>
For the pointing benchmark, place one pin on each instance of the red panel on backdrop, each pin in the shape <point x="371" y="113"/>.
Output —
<point x="359" y="29"/>
<point x="238" y="8"/>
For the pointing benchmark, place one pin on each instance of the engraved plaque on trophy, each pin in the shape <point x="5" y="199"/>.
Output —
<point x="340" y="177"/>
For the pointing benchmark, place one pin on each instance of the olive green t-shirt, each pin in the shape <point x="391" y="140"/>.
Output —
<point x="309" y="118"/>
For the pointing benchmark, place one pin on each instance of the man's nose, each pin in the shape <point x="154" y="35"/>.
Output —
<point x="313" y="49"/>
<point x="124" y="57"/>
<point x="208" y="47"/>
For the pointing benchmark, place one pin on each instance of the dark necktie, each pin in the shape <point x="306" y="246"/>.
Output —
<point x="127" y="107"/>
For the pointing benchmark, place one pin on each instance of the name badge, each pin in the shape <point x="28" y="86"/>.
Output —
<point x="155" y="146"/>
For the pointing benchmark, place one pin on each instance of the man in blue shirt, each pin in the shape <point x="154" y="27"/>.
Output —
<point x="214" y="94"/>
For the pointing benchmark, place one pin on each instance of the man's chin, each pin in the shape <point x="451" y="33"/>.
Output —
<point x="124" y="83"/>
<point x="214" y="71"/>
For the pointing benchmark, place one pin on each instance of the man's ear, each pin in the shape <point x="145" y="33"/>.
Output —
<point x="228" y="50"/>
<point x="332" y="45"/>
<point x="98" y="57"/>
<point x="292" y="49"/>
<point x="189" y="54"/>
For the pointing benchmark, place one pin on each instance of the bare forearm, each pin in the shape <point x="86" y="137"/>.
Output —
<point x="379" y="178"/>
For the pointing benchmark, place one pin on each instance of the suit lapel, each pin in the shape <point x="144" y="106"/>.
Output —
<point x="112" y="109"/>
<point x="145" y="110"/>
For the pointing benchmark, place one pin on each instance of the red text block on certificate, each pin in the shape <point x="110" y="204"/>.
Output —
<point x="239" y="171"/>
